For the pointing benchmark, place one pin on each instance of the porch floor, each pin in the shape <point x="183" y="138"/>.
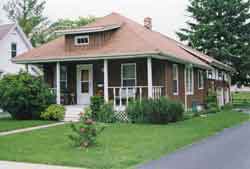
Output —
<point x="73" y="112"/>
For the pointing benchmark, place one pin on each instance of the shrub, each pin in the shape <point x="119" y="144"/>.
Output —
<point x="106" y="114"/>
<point x="95" y="105"/>
<point x="85" y="134"/>
<point x="159" y="111"/>
<point x="24" y="96"/>
<point x="211" y="100"/>
<point x="227" y="106"/>
<point x="102" y="112"/>
<point x="54" y="112"/>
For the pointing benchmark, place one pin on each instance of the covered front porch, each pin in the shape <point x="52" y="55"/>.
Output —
<point x="117" y="80"/>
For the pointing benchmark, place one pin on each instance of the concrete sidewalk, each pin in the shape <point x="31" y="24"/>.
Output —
<point x="30" y="129"/>
<point x="17" y="165"/>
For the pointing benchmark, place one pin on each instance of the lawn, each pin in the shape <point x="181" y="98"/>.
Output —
<point x="7" y="124"/>
<point x="120" y="146"/>
<point x="241" y="99"/>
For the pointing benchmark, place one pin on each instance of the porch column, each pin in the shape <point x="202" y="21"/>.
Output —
<point x="58" y="85"/>
<point x="150" y="81"/>
<point x="106" y="92"/>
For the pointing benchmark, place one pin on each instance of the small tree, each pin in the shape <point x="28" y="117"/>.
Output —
<point x="86" y="132"/>
<point x="24" y="96"/>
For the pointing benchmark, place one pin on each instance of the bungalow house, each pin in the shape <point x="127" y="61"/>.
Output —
<point x="120" y="59"/>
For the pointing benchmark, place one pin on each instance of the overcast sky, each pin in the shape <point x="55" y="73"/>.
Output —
<point x="168" y="15"/>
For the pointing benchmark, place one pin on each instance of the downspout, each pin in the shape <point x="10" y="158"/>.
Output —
<point x="185" y="82"/>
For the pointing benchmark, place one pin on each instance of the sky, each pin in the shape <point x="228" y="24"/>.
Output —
<point x="168" y="15"/>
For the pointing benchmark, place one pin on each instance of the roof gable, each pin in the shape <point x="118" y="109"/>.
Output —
<point x="7" y="29"/>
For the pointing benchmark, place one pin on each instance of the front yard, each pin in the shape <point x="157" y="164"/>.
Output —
<point x="7" y="124"/>
<point x="120" y="146"/>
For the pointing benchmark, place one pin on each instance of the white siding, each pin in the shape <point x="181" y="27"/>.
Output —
<point x="5" y="52"/>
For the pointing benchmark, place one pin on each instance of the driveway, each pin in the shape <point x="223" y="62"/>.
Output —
<point x="229" y="149"/>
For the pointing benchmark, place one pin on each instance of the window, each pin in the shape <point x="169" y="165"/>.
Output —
<point x="210" y="74"/>
<point x="128" y="72"/>
<point x="81" y="40"/>
<point x="63" y="78"/>
<point x="13" y="50"/>
<point x="85" y="81"/>
<point x="175" y="79"/>
<point x="220" y="75"/>
<point x="189" y="80"/>
<point x="200" y="79"/>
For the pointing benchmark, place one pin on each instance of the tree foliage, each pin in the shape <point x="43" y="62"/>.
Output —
<point x="61" y="24"/>
<point x="29" y="15"/>
<point x="221" y="28"/>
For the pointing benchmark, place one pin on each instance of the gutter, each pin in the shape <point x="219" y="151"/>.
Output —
<point x="154" y="54"/>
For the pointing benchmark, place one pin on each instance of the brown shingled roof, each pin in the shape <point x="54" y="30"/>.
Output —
<point x="130" y="38"/>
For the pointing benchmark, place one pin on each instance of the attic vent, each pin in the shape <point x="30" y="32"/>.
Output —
<point x="148" y="23"/>
<point x="81" y="40"/>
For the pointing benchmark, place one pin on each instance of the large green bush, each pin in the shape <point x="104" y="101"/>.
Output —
<point x="159" y="111"/>
<point x="54" y="112"/>
<point x="24" y="96"/>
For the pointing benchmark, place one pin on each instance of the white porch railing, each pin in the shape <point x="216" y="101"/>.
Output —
<point x="122" y="95"/>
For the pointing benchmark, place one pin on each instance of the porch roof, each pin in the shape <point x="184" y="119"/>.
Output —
<point x="130" y="40"/>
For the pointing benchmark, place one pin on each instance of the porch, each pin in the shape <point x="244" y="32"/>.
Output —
<point x="117" y="80"/>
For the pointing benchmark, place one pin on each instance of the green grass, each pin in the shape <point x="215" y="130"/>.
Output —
<point x="120" y="146"/>
<point x="7" y="124"/>
<point x="241" y="99"/>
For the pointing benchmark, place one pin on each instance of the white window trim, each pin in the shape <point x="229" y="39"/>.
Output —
<point x="201" y="75"/>
<point x="177" y="78"/>
<point x="122" y="79"/>
<point x="190" y="92"/>
<point x="79" y="37"/>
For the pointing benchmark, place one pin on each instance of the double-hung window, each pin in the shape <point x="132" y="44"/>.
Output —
<point x="210" y="74"/>
<point x="175" y="74"/>
<point x="200" y="79"/>
<point x="189" y="81"/>
<point x="128" y="72"/>
<point x="13" y="50"/>
<point x="63" y="78"/>
<point x="220" y="75"/>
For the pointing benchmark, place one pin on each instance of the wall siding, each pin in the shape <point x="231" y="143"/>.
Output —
<point x="162" y="76"/>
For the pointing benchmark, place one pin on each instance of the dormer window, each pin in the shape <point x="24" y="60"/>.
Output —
<point x="81" y="40"/>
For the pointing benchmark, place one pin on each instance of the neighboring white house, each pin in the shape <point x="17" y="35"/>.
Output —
<point x="13" y="42"/>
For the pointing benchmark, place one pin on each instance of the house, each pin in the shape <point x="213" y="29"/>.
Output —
<point x="120" y="59"/>
<point x="13" y="42"/>
<point x="218" y="78"/>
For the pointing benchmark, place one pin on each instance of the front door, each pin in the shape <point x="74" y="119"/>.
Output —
<point x="84" y="84"/>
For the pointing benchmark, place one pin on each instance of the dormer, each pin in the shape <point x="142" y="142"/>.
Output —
<point x="88" y="37"/>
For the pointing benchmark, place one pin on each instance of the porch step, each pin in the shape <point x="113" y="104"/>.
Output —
<point x="73" y="113"/>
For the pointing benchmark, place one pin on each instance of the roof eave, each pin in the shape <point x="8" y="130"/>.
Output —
<point x="154" y="54"/>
